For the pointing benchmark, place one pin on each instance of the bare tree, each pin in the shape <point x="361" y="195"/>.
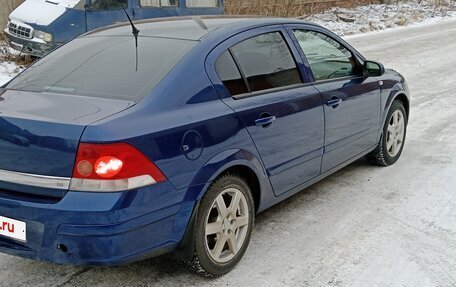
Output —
<point x="6" y="6"/>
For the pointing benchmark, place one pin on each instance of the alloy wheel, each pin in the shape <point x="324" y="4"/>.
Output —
<point x="395" y="133"/>
<point x="227" y="225"/>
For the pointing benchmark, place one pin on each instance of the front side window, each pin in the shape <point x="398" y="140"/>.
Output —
<point x="266" y="62"/>
<point x="202" y="3"/>
<point x="107" y="4"/>
<point x="159" y="3"/>
<point x="327" y="58"/>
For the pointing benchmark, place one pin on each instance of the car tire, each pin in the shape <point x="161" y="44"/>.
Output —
<point x="223" y="226"/>
<point x="392" y="140"/>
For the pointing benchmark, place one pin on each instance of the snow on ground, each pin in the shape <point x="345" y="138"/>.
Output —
<point x="377" y="17"/>
<point x="7" y="71"/>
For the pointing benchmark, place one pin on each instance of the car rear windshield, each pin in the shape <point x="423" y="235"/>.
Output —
<point x="104" y="67"/>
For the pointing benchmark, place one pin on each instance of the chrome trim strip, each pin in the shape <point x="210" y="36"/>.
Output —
<point x="114" y="185"/>
<point x="35" y="179"/>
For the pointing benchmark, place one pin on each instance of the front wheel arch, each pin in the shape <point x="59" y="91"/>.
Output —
<point x="398" y="92"/>
<point x="403" y="98"/>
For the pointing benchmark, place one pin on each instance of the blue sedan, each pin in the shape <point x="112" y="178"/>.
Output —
<point x="119" y="147"/>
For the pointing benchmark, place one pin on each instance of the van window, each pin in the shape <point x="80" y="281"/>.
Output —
<point x="202" y="3"/>
<point x="104" y="67"/>
<point x="159" y="3"/>
<point x="107" y="4"/>
<point x="266" y="62"/>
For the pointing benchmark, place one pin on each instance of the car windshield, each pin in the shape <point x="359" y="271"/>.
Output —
<point x="104" y="67"/>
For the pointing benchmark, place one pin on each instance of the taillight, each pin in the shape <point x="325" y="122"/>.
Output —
<point x="108" y="166"/>
<point x="112" y="167"/>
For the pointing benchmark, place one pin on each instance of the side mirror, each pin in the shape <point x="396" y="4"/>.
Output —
<point x="373" y="69"/>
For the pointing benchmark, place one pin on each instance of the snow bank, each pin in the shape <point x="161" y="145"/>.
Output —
<point x="376" y="17"/>
<point x="8" y="71"/>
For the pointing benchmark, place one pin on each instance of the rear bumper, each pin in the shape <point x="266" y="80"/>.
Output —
<point x="30" y="46"/>
<point x="99" y="229"/>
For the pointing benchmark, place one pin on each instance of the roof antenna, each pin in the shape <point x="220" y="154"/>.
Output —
<point x="200" y="22"/>
<point x="135" y="32"/>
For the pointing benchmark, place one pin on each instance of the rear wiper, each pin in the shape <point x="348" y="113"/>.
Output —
<point x="135" y="32"/>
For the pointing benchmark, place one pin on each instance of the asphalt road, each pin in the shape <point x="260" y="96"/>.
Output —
<point x="363" y="226"/>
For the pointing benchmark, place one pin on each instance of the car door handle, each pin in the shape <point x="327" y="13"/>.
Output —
<point x="265" y="121"/>
<point x="334" y="102"/>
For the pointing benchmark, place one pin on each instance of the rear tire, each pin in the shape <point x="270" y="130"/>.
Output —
<point x="392" y="141"/>
<point x="223" y="227"/>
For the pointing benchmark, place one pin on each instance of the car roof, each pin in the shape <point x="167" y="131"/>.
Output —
<point x="190" y="28"/>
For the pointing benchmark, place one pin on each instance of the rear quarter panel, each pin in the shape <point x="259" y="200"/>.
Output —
<point x="184" y="103"/>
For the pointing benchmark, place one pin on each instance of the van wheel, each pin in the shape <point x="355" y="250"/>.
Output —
<point x="223" y="226"/>
<point x="392" y="141"/>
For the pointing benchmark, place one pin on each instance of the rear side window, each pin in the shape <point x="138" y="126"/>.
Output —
<point x="202" y="3"/>
<point x="159" y="3"/>
<point x="229" y="74"/>
<point x="266" y="62"/>
<point x="104" y="67"/>
<point x="107" y="4"/>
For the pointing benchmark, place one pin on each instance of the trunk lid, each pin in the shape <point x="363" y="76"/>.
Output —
<point x="40" y="132"/>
